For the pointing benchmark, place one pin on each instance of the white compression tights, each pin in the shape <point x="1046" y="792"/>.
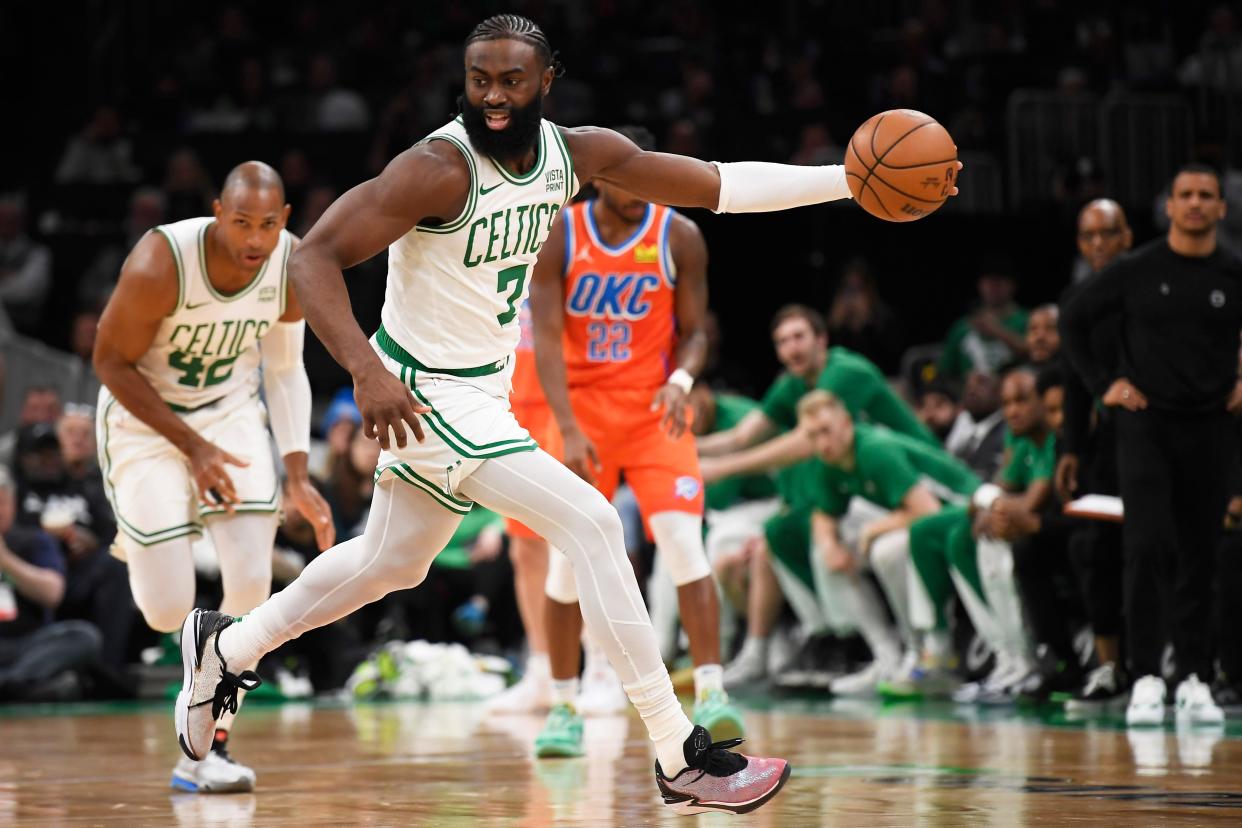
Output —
<point x="406" y="530"/>
<point x="161" y="577"/>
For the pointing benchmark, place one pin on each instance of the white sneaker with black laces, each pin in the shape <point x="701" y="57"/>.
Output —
<point x="207" y="687"/>
<point x="1146" y="708"/>
<point x="1195" y="705"/>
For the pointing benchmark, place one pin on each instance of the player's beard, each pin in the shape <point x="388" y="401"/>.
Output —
<point x="510" y="143"/>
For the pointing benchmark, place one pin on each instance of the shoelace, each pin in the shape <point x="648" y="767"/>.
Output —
<point x="227" y="687"/>
<point x="719" y="760"/>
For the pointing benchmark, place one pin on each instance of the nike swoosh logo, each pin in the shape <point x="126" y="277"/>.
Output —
<point x="485" y="190"/>
<point x="199" y="305"/>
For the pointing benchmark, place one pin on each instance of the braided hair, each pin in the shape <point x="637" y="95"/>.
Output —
<point x="516" y="27"/>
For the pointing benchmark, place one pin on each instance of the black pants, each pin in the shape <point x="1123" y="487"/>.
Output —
<point x="1039" y="562"/>
<point x="1174" y="474"/>
<point x="1229" y="605"/>
<point x="27" y="660"/>
<point x="1095" y="553"/>
<point x="97" y="590"/>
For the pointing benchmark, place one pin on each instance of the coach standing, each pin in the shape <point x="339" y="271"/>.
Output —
<point x="1178" y="302"/>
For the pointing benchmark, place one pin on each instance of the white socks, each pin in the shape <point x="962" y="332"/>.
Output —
<point x="565" y="691"/>
<point x="708" y="677"/>
<point x="653" y="696"/>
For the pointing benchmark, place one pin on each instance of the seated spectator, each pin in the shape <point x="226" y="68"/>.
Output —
<point x="25" y="269"/>
<point x="872" y="484"/>
<point x="938" y="406"/>
<point x="40" y="404"/>
<point x="100" y="153"/>
<point x="75" y="430"/>
<point x="1043" y="340"/>
<point x="964" y="548"/>
<point x="978" y="434"/>
<point x="39" y="658"/>
<point x="859" y="320"/>
<point x="76" y="513"/>
<point x="1041" y="540"/>
<point x="992" y="335"/>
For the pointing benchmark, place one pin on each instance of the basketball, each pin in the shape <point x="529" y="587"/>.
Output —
<point x="901" y="165"/>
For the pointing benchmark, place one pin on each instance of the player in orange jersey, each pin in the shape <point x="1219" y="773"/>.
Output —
<point x="618" y="297"/>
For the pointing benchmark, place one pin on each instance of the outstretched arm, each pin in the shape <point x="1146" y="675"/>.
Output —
<point x="680" y="181"/>
<point x="428" y="181"/>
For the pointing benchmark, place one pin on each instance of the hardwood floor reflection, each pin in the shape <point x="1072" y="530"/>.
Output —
<point x="444" y="765"/>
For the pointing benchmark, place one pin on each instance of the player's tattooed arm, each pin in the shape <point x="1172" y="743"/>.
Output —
<point x="145" y="294"/>
<point x="547" y="308"/>
<point x="429" y="181"/>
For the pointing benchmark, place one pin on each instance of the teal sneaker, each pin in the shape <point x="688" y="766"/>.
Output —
<point x="721" y="719"/>
<point x="561" y="735"/>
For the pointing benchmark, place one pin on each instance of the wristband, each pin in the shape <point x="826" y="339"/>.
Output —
<point x="682" y="379"/>
<point x="986" y="495"/>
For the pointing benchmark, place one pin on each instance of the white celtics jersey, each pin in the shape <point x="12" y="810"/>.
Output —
<point x="454" y="290"/>
<point x="208" y="346"/>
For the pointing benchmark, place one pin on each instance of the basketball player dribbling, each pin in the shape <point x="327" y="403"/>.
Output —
<point x="183" y="442"/>
<point x="463" y="215"/>
<point x="624" y="284"/>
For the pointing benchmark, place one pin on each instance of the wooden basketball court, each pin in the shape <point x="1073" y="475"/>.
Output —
<point x="409" y="764"/>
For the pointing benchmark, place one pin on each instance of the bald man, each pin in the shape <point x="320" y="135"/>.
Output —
<point x="183" y="438"/>
<point x="1088" y="463"/>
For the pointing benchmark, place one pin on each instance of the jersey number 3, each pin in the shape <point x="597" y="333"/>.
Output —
<point x="192" y="373"/>
<point x="506" y="277"/>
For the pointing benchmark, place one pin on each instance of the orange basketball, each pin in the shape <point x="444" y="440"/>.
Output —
<point x="901" y="165"/>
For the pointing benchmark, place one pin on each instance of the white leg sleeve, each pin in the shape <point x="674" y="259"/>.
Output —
<point x="890" y="560"/>
<point x="243" y="544"/>
<point x="665" y="608"/>
<point x="540" y="492"/>
<point x="162" y="580"/>
<point x="406" y="529"/>
<point x="1001" y="590"/>
<point x="550" y="499"/>
<point x="560" y="586"/>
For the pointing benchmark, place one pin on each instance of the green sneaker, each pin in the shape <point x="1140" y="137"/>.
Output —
<point x="722" y="720"/>
<point x="561" y="735"/>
